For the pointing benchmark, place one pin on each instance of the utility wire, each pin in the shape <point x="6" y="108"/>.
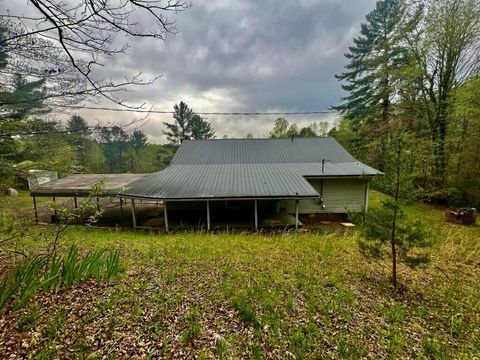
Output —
<point x="203" y="113"/>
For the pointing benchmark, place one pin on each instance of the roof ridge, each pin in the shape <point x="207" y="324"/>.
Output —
<point x="248" y="139"/>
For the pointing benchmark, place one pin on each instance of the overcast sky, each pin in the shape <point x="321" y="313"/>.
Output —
<point x="244" y="56"/>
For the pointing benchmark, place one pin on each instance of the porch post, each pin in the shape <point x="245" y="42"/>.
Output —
<point x="366" y="194"/>
<point x="165" y="215"/>
<point x="208" y="215"/>
<point x="75" y="202"/>
<point x="35" y="208"/>
<point x="256" y="215"/>
<point x="134" y="218"/>
<point x="54" y="203"/>
<point x="296" y="214"/>
<point x="121" y="213"/>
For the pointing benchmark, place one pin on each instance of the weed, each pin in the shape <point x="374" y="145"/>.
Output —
<point x="28" y="319"/>
<point x="432" y="350"/>
<point x="245" y="310"/>
<point x="221" y="347"/>
<point x="193" y="328"/>
<point x="54" y="328"/>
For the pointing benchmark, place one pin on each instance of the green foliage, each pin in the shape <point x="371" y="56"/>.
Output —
<point x="54" y="270"/>
<point x="78" y="136"/>
<point x="201" y="129"/>
<point x="26" y="99"/>
<point x="282" y="129"/>
<point x="193" y="328"/>
<point x="245" y="310"/>
<point x="376" y="61"/>
<point x="412" y="237"/>
<point x="138" y="140"/>
<point x="187" y="125"/>
<point x="415" y="64"/>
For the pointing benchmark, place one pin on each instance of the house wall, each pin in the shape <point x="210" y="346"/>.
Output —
<point x="339" y="195"/>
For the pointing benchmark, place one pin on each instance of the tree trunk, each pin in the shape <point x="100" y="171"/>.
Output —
<point x="393" y="238"/>
<point x="394" y="250"/>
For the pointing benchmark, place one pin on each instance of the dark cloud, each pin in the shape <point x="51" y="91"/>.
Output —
<point x="244" y="56"/>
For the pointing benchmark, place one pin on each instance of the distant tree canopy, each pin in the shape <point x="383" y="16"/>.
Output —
<point x="187" y="125"/>
<point x="417" y="64"/>
<point x="282" y="129"/>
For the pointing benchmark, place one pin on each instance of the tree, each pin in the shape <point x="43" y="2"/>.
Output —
<point x="445" y="50"/>
<point x="138" y="140"/>
<point x="200" y="128"/>
<point x="31" y="57"/>
<point x="292" y="130"/>
<point x="24" y="100"/>
<point x="47" y="149"/>
<point x="376" y="61"/>
<point x="280" y="128"/>
<point x="78" y="136"/>
<point x="306" y="132"/>
<point x="115" y="143"/>
<point x="463" y="169"/>
<point x="387" y="224"/>
<point x="187" y="125"/>
<point x="85" y="34"/>
<point x="180" y="129"/>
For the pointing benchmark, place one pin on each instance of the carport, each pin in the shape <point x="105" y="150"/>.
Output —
<point x="80" y="186"/>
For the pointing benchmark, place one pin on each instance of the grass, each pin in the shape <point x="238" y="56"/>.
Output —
<point x="258" y="296"/>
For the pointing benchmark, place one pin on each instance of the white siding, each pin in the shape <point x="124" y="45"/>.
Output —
<point x="339" y="195"/>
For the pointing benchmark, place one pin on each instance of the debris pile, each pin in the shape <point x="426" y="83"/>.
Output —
<point x="462" y="216"/>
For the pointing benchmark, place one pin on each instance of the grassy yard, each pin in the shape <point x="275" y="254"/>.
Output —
<point x="290" y="295"/>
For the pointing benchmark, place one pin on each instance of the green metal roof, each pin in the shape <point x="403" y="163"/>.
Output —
<point x="248" y="168"/>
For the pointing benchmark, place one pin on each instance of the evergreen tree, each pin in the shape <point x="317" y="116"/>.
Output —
<point x="201" y="128"/>
<point x="376" y="61"/>
<point x="181" y="128"/>
<point x="187" y="125"/>
<point x="24" y="100"/>
<point x="79" y="136"/>
<point x="138" y="140"/>
<point x="386" y="227"/>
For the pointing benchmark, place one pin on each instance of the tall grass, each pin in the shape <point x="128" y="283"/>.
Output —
<point x="54" y="270"/>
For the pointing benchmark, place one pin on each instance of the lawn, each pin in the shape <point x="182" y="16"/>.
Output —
<point x="287" y="295"/>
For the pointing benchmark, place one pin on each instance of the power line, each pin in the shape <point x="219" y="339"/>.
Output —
<point x="204" y="113"/>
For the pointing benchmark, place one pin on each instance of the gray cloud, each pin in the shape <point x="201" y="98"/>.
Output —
<point x="244" y="56"/>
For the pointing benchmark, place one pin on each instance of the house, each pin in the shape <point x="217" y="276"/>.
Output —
<point x="257" y="178"/>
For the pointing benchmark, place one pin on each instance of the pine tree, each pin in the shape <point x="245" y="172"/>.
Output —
<point x="180" y="129"/>
<point x="201" y="128"/>
<point x="187" y="125"/>
<point x="79" y="136"/>
<point x="375" y="62"/>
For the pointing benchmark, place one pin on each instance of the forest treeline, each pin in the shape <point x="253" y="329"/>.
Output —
<point x="413" y="73"/>
<point x="28" y="141"/>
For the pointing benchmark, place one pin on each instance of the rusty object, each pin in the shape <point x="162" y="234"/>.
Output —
<point x="462" y="216"/>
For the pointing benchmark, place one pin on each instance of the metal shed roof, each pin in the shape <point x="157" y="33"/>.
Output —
<point x="81" y="184"/>
<point x="260" y="151"/>
<point x="248" y="168"/>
